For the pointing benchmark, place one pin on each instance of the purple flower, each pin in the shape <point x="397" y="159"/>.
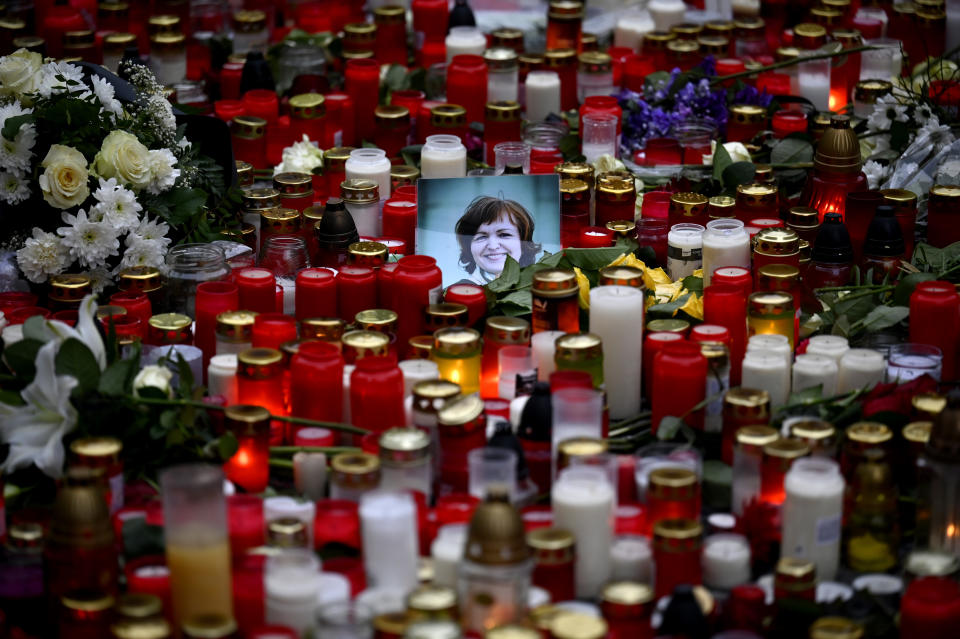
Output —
<point x="750" y="95"/>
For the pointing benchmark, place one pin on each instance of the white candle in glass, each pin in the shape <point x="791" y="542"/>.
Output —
<point x="631" y="559"/>
<point x="767" y="370"/>
<point x="333" y="587"/>
<point x="447" y="551"/>
<point x="370" y="164"/>
<point x="778" y="344"/>
<point x="222" y="377"/>
<point x="726" y="561"/>
<point x="280" y="507"/>
<point x="832" y="346"/>
<point x="542" y="90"/>
<point x="577" y="412"/>
<point x="631" y="28"/>
<point x="813" y="78"/>
<point x="860" y="368"/>
<point x="291" y="583"/>
<point x="417" y="370"/>
<point x="725" y="243"/>
<point x="684" y="250"/>
<point x="465" y="40"/>
<point x="815" y="370"/>
<point x="310" y="474"/>
<point x="813" y="513"/>
<point x="443" y="156"/>
<point x="388" y="524"/>
<point x="583" y="503"/>
<point x="666" y="13"/>
<point x="616" y="315"/>
<point x="544" y="345"/>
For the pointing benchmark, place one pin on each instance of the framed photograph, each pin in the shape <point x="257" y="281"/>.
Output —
<point x="471" y="224"/>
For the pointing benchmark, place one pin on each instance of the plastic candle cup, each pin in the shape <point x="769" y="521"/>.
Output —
<point x="747" y="463"/>
<point x="458" y="356"/>
<point x="812" y="513"/>
<point x="316" y="382"/>
<point x="258" y="290"/>
<point x="679" y="382"/>
<point x="517" y="373"/>
<point x="542" y="95"/>
<point x="768" y="371"/>
<point x="492" y="469"/>
<point x="583" y="503"/>
<point x="271" y="330"/>
<point x="684" y="250"/>
<point x="554" y="557"/>
<point x="725" y="244"/>
<point x="860" y="368"/>
<point x="512" y="157"/>
<point x="726" y="561"/>
<point x="465" y="40"/>
<point x="577" y="413"/>
<point x="778" y="457"/>
<point x="811" y="370"/>
<point x="443" y="156"/>
<point x="467" y="84"/>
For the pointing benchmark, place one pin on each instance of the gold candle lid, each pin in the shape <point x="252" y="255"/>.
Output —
<point x="236" y="326"/>
<point x="809" y="35"/>
<point x="360" y="32"/>
<point x="551" y="546"/>
<point x="559" y="58"/>
<point x="588" y="42"/>
<point x="813" y="430"/>
<point x="461" y="411"/>
<point x="248" y="127"/>
<point x="210" y="625"/>
<point x="576" y="171"/>
<point x="945" y="191"/>
<point x="931" y="17"/>
<point x="835" y="628"/>
<point x="392" y="116"/>
<point x="657" y="41"/>
<point x="869" y="433"/>
<point x="308" y="106"/>
<point x="502" y="111"/>
<point x="688" y="204"/>
<point x="786" y="448"/>
<point x="444" y="315"/>
<point x="611" y="188"/>
<point x="247" y="419"/>
<point x="747" y="403"/>
<point x="507" y="37"/>
<point x="137" y="279"/>
<point x="96" y="451"/>
<point x="577" y="625"/>
<point x="390" y="14"/>
<point x="777" y="241"/>
<point x="578" y="347"/>
<point x="627" y="593"/>
<point x="456" y="341"/>
<point x="280" y="221"/>
<point x="431" y="395"/>
<point x="138" y="605"/>
<point x="687" y="30"/>
<point x="357" y="55"/>
<point x="917" y="432"/>
<point x="565" y="10"/>
<point x="621" y="276"/>
<point x="431" y="601"/>
<point x="249" y="21"/>
<point x="328" y="329"/>
<point x="381" y="320"/>
<point x="336" y="158"/>
<point x="803" y="217"/>
<point x="287" y="532"/>
<point x="359" y="190"/>
<point x="70" y="287"/>
<point x="402" y="174"/>
<point x="576" y="189"/>
<point x="825" y="16"/>
<point x="421" y="347"/>
<point x="530" y="62"/>
<point x="771" y="303"/>
<point x="869" y="91"/>
<point x="579" y="447"/>
<point x="174" y="327"/>
<point x="152" y="628"/>
<point x="715" y="45"/>
<point x="723" y="27"/>
<point x="360" y="344"/>
<point x="749" y="25"/>
<point x="680" y="48"/>
<point x="756" y="436"/>
<point x="500" y="59"/>
<point x="258" y="199"/>
<point x="595" y="62"/>
<point x="622" y="228"/>
<point x="260" y="363"/>
<point x="367" y="253"/>
<point x="668" y="326"/>
<point x="163" y="23"/>
<point x="391" y="623"/>
<point x="293" y="184"/>
<point x="507" y="330"/>
<point x="756" y="194"/>
<point x="721" y="206"/>
<point x="677" y="529"/>
<point x="672" y="483"/>
<point x="404" y="445"/>
<point x="360" y="470"/>
<point x="448" y="116"/>
<point x="166" y="42"/>
<point x="555" y="282"/>
<point x="512" y="631"/>
<point x="748" y="114"/>
<point x="793" y="573"/>
<point x="928" y="404"/>
<point x="87" y="601"/>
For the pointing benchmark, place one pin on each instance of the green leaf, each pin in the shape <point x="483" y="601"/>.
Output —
<point x="185" y="373"/>
<point x="396" y="77"/>
<point x="512" y="310"/>
<point x="36" y="328"/>
<point x="721" y="160"/>
<point x="592" y="259"/>
<point x="21" y="356"/>
<point x="738" y="173"/>
<point x="520" y="298"/>
<point x="884" y="317"/>
<point x="669" y="427"/>
<point x="570" y="146"/>
<point x="227" y="446"/>
<point x="906" y="286"/>
<point x="118" y="378"/>
<point x="805" y="396"/>
<point x="141" y="539"/>
<point x="668" y="309"/>
<point x="411" y="154"/>
<point x="509" y="277"/>
<point x="74" y="358"/>
<point x="791" y="150"/>
<point x="693" y="284"/>
<point x="12" y="125"/>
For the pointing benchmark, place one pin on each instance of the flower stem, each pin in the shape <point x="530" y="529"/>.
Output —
<point x="281" y="463"/>
<point x="789" y="63"/>
<point x="282" y="450"/>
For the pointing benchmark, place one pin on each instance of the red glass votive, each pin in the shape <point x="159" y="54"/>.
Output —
<point x="935" y="320"/>
<point x="248" y="592"/>
<point x="417" y="282"/>
<point x="249" y="467"/>
<point x="467" y="84"/>
<point x="262" y="103"/>
<point x="729" y="66"/>
<point x="943" y="205"/>
<point x="56" y="22"/>
<point x="679" y="383"/>
<point x="676" y="554"/>
<point x="271" y="330"/>
<point x="773" y="83"/>
<point x="23" y="313"/>
<point x="400" y="220"/>
<point x="662" y="151"/>
<point x="619" y="56"/>
<point x="456" y="441"/>
<point x="385" y="276"/>
<point x="544" y="165"/>
<point x="672" y="493"/>
<point x="258" y="290"/>
<point x="410" y="98"/>
<point x="726" y="305"/>
<point x="124" y="326"/>
<point x="653" y="232"/>
<point x="455" y="508"/>
<point x="710" y="333"/>
<point x="595" y="237"/>
<point x="405" y="192"/>
<point x="245" y="523"/>
<point x="336" y="521"/>
<point x="149" y="575"/>
<point x="930" y="607"/>
<point x="630" y="518"/>
<point x="471" y="296"/>
<point x="390" y="46"/>
<point x="395" y="246"/>
<point x="773" y="472"/>
<point x="861" y="207"/>
<point x="356" y="291"/>
<point x="376" y="394"/>
<point x="787" y="121"/>
<point x="653" y="343"/>
<point x="316" y="293"/>
<point x="656" y="205"/>
<point x="314" y="437"/>
<point x="10" y="300"/>
<point x="635" y="70"/>
<point x="430" y="19"/>
<point x="230" y="76"/>
<point x="212" y="299"/>
<point x="362" y="83"/>
<point x="316" y="383"/>
<point x="553" y="562"/>
<point x="341" y="127"/>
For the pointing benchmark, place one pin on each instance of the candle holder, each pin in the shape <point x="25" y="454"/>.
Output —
<point x="778" y="457"/>
<point x="553" y="552"/>
<point x="405" y="460"/>
<point x="942" y="458"/>
<point x="461" y="427"/>
<point x="812" y="512"/>
<point x="249" y="466"/>
<point x="676" y="550"/>
<point x="627" y="607"/>
<point x="680" y="383"/>
<point x="672" y="493"/>
<point x="910" y="361"/>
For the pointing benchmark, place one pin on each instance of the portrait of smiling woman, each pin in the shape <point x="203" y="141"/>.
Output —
<point x="491" y="229"/>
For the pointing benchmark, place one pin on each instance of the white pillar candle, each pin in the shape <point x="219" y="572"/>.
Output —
<point x="726" y="561"/>
<point x="684" y="250"/>
<point x="815" y="370"/>
<point x="832" y="346"/>
<point x="465" y="40"/>
<point x="725" y="243"/>
<point x="370" y="164"/>
<point x="666" y="13"/>
<point x="632" y="559"/>
<point x="542" y="94"/>
<point x="222" y="378"/>
<point x="417" y="370"/>
<point x="310" y="474"/>
<point x="544" y="345"/>
<point x="766" y="370"/>
<point x="616" y="315"/>
<point x="333" y="587"/>
<point x="388" y="523"/>
<point x="813" y="513"/>
<point x="953" y="25"/>
<point x="860" y="368"/>
<point x="631" y="29"/>
<point x="447" y="551"/>
<point x="813" y="78"/>
<point x="583" y="503"/>
<point x="291" y="583"/>
<point x="280" y="507"/>
<point x="443" y="156"/>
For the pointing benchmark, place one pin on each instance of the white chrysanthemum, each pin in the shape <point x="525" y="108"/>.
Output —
<point x="923" y="114"/>
<point x="162" y="174"/>
<point x="141" y="252"/>
<point x="100" y="278"/>
<point x="13" y="188"/>
<point x="300" y="157"/>
<point x="936" y="135"/>
<point x="184" y="144"/>
<point x="90" y="243"/>
<point x="105" y="93"/>
<point x="16" y="154"/>
<point x="41" y="256"/>
<point x="875" y="173"/>
<point x="886" y="111"/>
<point x="116" y="205"/>
<point x="150" y="230"/>
<point x="72" y="82"/>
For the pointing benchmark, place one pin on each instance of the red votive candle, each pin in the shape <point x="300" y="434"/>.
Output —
<point x="553" y="562"/>
<point x="337" y="521"/>
<point x="501" y="124"/>
<point x="676" y="554"/>
<point x="405" y="192"/>
<point x="788" y="121"/>
<point x="736" y="275"/>
<point x="460" y="431"/>
<point x="376" y="394"/>
<point x="67" y="317"/>
<point x="262" y="103"/>
<point x="212" y="299"/>
<point x="935" y="320"/>
<point x="395" y="246"/>
<point x="10" y="300"/>
<point x="390" y="47"/>
<point x="653" y="232"/>
<point x="260" y="382"/>
<point x="270" y="330"/>
<point x="656" y="205"/>
<point x="726" y="305"/>
<point x="137" y="305"/>
<point x="227" y="110"/>
<point x="248" y="592"/>
<point x="595" y="237"/>
<point x="410" y="98"/>
<point x="23" y="313"/>
<point x="672" y="493"/>
<point x="385" y="275"/>
<point x="248" y="134"/>
<point x="467" y="84"/>
<point x="362" y="83"/>
<point x="356" y="291"/>
<point x="316" y="293"/>
<point x="930" y="607"/>
<point x="430" y="19"/>
<point x="315" y="437"/>
<point x="149" y="575"/>
<point x="471" y="296"/>
<point x="710" y="333"/>
<point x="679" y="383"/>
<point x="635" y="70"/>
<point x="258" y="290"/>
<point x="778" y="457"/>
<point x="341" y="129"/>
<point x="455" y="508"/>
<point x="400" y="221"/>
<point x="417" y="282"/>
<point x="124" y="326"/>
<point x="943" y="205"/>
<point x="245" y="523"/>
<point x="653" y="343"/>
<point x="602" y="104"/>
<point x="316" y="383"/>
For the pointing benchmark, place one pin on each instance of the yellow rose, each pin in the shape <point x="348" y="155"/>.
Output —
<point x="64" y="183"/>
<point x="20" y="73"/>
<point x="124" y="157"/>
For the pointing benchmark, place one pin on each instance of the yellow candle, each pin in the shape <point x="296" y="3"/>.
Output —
<point x="771" y="313"/>
<point x="457" y="354"/>
<point x="200" y="579"/>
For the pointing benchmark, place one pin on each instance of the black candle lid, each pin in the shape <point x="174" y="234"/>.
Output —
<point x="337" y="225"/>
<point x="461" y="15"/>
<point x="536" y="420"/>
<point x="832" y="245"/>
<point x="884" y="236"/>
<point x="256" y="73"/>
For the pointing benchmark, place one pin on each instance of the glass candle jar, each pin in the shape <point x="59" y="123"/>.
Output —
<point x="812" y="513"/>
<point x="405" y="460"/>
<point x="684" y="250"/>
<point x="249" y="143"/>
<point x="555" y="305"/>
<point x="376" y="394"/>
<point x="690" y="208"/>
<point x="672" y="493"/>
<point x="778" y="457"/>
<point x="249" y="466"/>
<point x="443" y="156"/>
<point x="187" y="266"/>
<point x="370" y="164"/>
<point x="795" y="579"/>
<point x="595" y="75"/>
<point x="353" y="474"/>
<point x="676" y="552"/>
<point x="168" y="58"/>
<point x="580" y="352"/>
<point x="502" y="75"/>
<point x="747" y="460"/>
<point x="295" y="189"/>
<point x="615" y="199"/>
<point x="553" y="558"/>
<point x="250" y="32"/>
<point x="417" y="283"/>
<point x="942" y="206"/>
<point x="725" y="243"/>
<point x="362" y="198"/>
<point x="316" y="382"/>
<point x="756" y="200"/>
<point x="260" y="379"/>
<point x="771" y="312"/>
<point x="457" y="353"/>
<point x="745" y="121"/>
<point x="501" y="124"/>
<point x="564" y="24"/>
<point x="933" y="320"/>
<point x="873" y="532"/>
<point x="499" y="333"/>
<point x="679" y="383"/>
<point x="169" y="328"/>
<point x="461" y="427"/>
<point x="444" y="315"/>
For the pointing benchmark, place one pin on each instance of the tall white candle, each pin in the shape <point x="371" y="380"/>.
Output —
<point x="631" y="559"/>
<point x="666" y="13"/>
<point x="684" y="250"/>
<point x="726" y="561"/>
<point x="860" y="368"/>
<point x="370" y="164"/>
<point x="280" y="507"/>
<point x="616" y="315"/>
<point x="542" y="94"/>
<point x="815" y="370"/>
<point x="310" y="474"/>
<point x="388" y="523"/>
<point x="583" y="503"/>
<point x="832" y="346"/>
<point x="631" y="28"/>
<point x="447" y="551"/>
<point x="813" y="513"/>
<point x="291" y="584"/>
<point x="544" y="345"/>
<point x="725" y="243"/>
<point x="333" y="587"/>
<point x="465" y="40"/>
<point x="813" y="78"/>
<point x="769" y="371"/>
<point x="222" y="377"/>
<point x="417" y="370"/>
<point x="443" y="156"/>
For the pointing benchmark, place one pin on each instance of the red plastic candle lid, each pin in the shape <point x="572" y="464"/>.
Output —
<point x="766" y="223"/>
<point x="227" y="110"/>
<point x="729" y="66"/>
<point x="789" y="121"/>
<point x="313" y="436"/>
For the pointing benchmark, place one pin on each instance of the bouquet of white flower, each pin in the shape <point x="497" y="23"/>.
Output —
<point x="92" y="184"/>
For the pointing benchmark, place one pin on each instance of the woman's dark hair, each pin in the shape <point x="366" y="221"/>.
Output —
<point x="485" y="209"/>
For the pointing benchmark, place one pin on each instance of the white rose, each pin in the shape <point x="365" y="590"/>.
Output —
<point x="20" y="73"/>
<point x="64" y="183"/>
<point x="124" y="157"/>
<point x="153" y="376"/>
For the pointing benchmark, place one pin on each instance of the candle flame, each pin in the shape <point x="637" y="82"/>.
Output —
<point x="951" y="530"/>
<point x="242" y="458"/>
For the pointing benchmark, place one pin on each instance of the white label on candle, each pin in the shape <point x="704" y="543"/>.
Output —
<point x="828" y="530"/>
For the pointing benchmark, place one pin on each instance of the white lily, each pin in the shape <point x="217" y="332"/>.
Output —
<point x="85" y="331"/>
<point x="35" y="430"/>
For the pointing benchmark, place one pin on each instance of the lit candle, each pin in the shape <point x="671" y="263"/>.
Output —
<point x="725" y="243"/>
<point x="222" y="378"/>
<point x="833" y="346"/>
<point x="631" y="28"/>
<point x="292" y="585"/>
<point x="388" y="523"/>
<point x="544" y="346"/>
<point x="457" y="354"/>
<point x="616" y="315"/>
<point x="310" y="474"/>
<point x="632" y="559"/>
<point x="812" y="513"/>
<point x="813" y="78"/>
<point x="726" y="561"/>
<point x="860" y="368"/>
<point x="542" y="94"/>
<point x="771" y="312"/>
<point x="447" y="552"/>
<point x="815" y="370"/>
<point x="769" y="371"/>
<point x="583" y="503"/>
<point x="249" y="467"/>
